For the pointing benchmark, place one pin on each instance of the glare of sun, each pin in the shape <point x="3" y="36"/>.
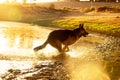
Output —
<point x="10" y="1"/>
<point x="2" y="1"/>
<point x="19" y="1"/>
<point x="45" y="0"/>
<point x="3" y="42"/>
<point x="28" y="1"/>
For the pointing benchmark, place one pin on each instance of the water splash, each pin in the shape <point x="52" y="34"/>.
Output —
<point x="80" y="69"/>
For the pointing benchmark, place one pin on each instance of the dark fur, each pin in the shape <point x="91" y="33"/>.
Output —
<point x="57" y="38"/>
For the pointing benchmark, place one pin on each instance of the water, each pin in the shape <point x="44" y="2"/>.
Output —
<point x="95" y="57"/>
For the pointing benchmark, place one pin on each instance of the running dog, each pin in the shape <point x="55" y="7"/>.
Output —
<point x="59" y="38"/>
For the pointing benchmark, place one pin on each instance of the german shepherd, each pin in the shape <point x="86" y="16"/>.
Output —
<point x="57" y="38"/>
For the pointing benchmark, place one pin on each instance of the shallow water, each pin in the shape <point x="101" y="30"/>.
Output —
<point x="96" y="57"/>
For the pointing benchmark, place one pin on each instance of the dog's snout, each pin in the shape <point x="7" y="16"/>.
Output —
<point x="87" y="33"/>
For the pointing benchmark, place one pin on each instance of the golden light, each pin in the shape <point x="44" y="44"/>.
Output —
<point x="46" y="0"/>
<point x="85" y="71"/>
<point x="27" y="1"/>
<point x="48" y="51"/>
<point x="3" y="42"/>
<point x="19" y="1"/>
<point x="5" y="65"/>
<point x="2" y="1"/>
<point x="10" y="1"/>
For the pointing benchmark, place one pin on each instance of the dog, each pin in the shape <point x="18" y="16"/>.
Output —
<point x="59" y="38"/>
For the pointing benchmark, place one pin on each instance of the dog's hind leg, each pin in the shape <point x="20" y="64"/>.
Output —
<point x="56" y="44"/>
<point x="66" y="48"/>
<point x="40" y="47"/>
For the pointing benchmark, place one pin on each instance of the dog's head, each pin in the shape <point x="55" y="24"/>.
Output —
<point x="83" y="32"/>
<point x="80" y="31"/>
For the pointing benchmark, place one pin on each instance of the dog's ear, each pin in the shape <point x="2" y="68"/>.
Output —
<point x="81" y="26"/>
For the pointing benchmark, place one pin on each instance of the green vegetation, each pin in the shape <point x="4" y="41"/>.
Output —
<point x="93" y="26"/>
<point x="41" y="22"/>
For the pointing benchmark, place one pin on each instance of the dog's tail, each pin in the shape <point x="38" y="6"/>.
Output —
<point x="40" y="47"/>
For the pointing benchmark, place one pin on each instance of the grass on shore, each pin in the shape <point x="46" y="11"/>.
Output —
<point x="101" y="27"/>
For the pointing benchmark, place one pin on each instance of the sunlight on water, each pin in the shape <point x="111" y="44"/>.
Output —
<point x="48" y="51"/>
<point x="6" y="65"/>
<point x="78" y="52"/>
<point x="7" y="50"/>
<point x="18" y="38"/>
<point x="14" y="50"/>
<point x="3" y="41"/>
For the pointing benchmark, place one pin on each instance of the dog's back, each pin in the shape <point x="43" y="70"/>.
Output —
<point x="60" y="35"/>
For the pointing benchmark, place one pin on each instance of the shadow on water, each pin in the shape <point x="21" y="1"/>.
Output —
<point x="91" y="58"/>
